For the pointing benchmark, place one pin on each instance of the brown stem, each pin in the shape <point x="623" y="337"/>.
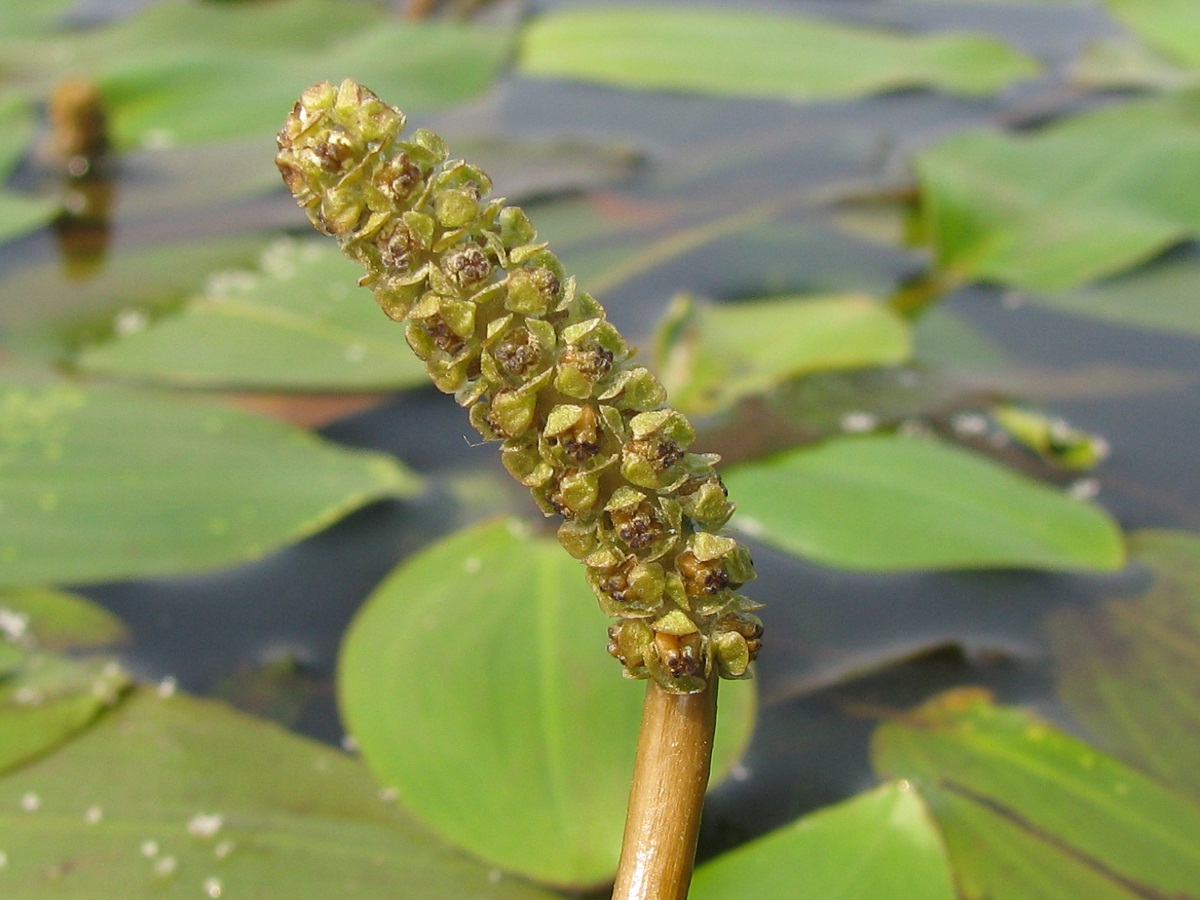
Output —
<point x="669" y="779"/>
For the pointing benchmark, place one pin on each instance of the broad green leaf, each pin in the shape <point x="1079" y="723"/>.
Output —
<point x="21" y="213"/>
<point x="744" y="53"/>
<point x="57" y="620"/>
<point x="476" y="685"/>
<point x="881" y="845"/>
<point x="47" y="698"/>
<point x="182" y="798"/>
<point x="16" y="129"/>
<point x="713" y="355"/>
<point x="128" y="285"/>
<point x="1130" y="671"/>
<point x="298" y="323"/>
<point x="1082" y="199"/>
<point x="138" y="483"/>
<point x="178" y="73"/>
<point x="895" y="503"/>
<point x="1028" y="811"/>
<point x="1170" y="26"/>
<point x="1120" y="64"/>
<point x="29" y="18"/>
<point x="1161" y="296"/>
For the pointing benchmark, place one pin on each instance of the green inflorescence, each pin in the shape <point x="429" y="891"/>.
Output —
<point x="499" y="325"/>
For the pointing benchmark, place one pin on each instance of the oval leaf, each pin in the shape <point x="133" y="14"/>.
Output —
<point x="714" y="355"/>
<point x="744" y="53"/>
<point x="183" y="798"/>
<point x="298" y="324"/>
<point x="179" y="73"/>
<point x="47" y="698"/>
<point x="476" y="684"/>
<point x="56" y="620"/>
<point x="1171" y="26"/>
<point x="1083" y="199"/>
<point x="894" y="503"/>
<point x="882" y="844"/>
<point x="1130" y="671"/>
<point x="1028" y="811"/>
<point x="140" y="483"/>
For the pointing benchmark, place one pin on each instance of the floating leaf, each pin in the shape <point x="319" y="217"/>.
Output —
<point x="1027" y="811"/>
<point x="476" y="684"/>
<point x="1053" y="439"/>
<point x="139" y="483"/>
<point x="16" y="129"/>
<point x="177" y="73"/>
<point x="1118" y="64"/>
<point x="57" y="620"/>
<point x="46" y="698"/>
<point x="894" y="503"/>
<point x="184" y="798"/>
<point x="1130" y="671"/>
<point x="298" y="324"/>
<point x="1161" y="296"/>
<point x="1079" y="200"/>
<point x="744" y="53"/>
<point x="117" y="297"/>
<point x="882" y="844"/>
<point x="713" y="355"/>
<point x="1170" y="26"/>
<point x="19" y="213"/>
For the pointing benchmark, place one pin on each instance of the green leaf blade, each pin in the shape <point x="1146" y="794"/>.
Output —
<point x="517" y="735"/>
<point x="141" y="483"/>
<point x="733" y="350"/>
<point x="888" y="503"/>
<point x="206" y="795"/>
<point x="1129" y="671"/>
<point x="758" y="55"/>
<point x="1080" y="200"/>
<point x="879" y="844"/>
<point x="298" y="324"/>
<point x="1030" y="811"/>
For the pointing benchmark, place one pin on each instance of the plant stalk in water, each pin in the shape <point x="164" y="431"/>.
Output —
<point x="500" y="326"/>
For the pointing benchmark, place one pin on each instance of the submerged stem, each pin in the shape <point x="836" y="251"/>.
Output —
<point x="665" y="802"/>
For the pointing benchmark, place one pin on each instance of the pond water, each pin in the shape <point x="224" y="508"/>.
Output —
<point x="843" y="648"/>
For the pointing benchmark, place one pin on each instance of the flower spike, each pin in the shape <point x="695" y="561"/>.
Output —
<point x="500" y="325"/>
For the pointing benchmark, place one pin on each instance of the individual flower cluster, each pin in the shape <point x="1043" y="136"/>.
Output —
<point x="500" y="325"/>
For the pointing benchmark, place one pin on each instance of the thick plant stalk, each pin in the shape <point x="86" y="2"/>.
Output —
<point x="665" y="802"/>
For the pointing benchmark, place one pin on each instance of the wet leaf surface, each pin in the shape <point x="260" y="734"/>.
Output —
<point x="476" y="684"/>
<point x="58" y="620"/>
<point x="710" y="355"/>
<point x="120" y="295"/>
<point x="19" y="213"/>
<point x="178" y="797"/>
<point x="1131" y="671"/>
<point x="141" y="483"/>
<point x="1082" y="199"/>
<point x="744" y="53"/>
<point x="894" y="503"/>
<point x="1028" y="811"/>
<point x="881" y="844"/>
<point x="47" y="698"/>
<point x="1170" y="26"/>
<point x="297" y="323"/>
<point x="1160" y="296"/>
<point x="177" y="73"/>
